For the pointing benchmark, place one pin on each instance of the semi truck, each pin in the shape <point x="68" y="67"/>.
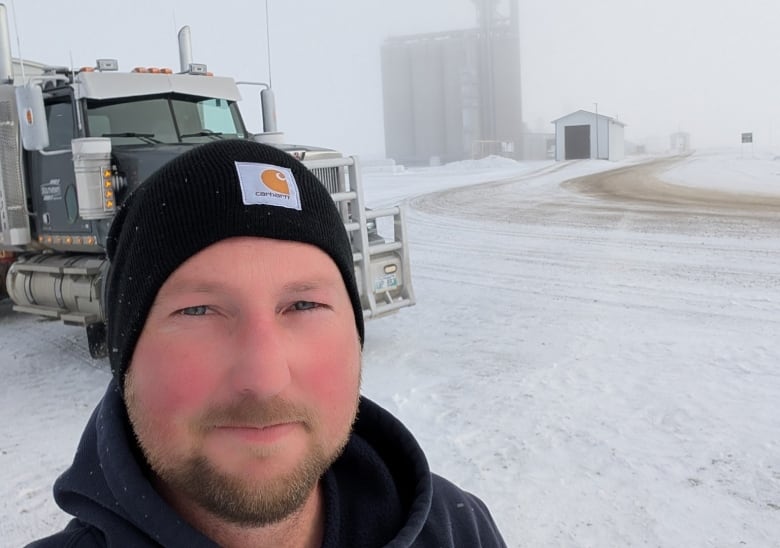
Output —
<point x="75" y="142"/>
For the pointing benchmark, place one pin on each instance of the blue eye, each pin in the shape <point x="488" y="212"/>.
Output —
<point x="305" y="305"/>
<point x="200" y="310"/>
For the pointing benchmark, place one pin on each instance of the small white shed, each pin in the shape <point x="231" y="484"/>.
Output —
<point x="576" y="137"/>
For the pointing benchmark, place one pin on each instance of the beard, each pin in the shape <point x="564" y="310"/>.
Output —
<point x="232" y="497"/>
<point x="234" y="500"/>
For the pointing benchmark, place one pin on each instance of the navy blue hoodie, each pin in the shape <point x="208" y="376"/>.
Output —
<point x="379" y="492"/>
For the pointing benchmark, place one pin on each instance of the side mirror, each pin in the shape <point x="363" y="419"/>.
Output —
<point x="32" y="117"/>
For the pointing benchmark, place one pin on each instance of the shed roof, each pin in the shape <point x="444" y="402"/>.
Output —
<point x="610" y="118"/>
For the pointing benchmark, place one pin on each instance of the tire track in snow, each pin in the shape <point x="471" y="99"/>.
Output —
<point x="54" y="380"/>
<point x="577" y="269"/>
<point x="641" y="414"/>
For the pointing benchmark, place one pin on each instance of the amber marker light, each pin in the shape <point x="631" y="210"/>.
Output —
<point x="108" y="194"/>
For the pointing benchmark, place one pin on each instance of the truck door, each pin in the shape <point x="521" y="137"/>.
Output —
<point x="52" y="178"/>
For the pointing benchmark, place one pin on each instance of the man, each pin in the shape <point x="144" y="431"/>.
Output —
<point x="234" y="418"/>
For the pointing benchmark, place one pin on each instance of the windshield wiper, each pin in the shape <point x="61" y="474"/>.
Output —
<point x="216" y="135"/>
<point x="145" y="137"/>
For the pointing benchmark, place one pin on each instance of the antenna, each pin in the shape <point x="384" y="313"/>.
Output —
<point x="268" y="42"/>
<point x="18" y="43"/>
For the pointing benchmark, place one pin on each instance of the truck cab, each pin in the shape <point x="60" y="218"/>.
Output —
<point x="145" y="118"/>
<point x="76" y="142"/>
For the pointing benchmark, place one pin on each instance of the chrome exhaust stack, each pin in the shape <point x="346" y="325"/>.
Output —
<point x="6" y="63"/>
<point x="185" y="48"/>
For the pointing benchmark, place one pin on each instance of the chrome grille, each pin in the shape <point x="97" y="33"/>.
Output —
<point x="331" y="177"/>
<point x="12" y="196"/>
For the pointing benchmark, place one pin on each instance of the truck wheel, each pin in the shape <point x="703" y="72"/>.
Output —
<point x="3" y="271"/>
<point x="96" y="339"/>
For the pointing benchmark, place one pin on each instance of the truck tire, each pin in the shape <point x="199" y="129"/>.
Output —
<point x="96" y="339"/>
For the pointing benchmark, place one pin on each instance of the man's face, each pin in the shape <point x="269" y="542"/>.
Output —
<point x="244" y="383"/>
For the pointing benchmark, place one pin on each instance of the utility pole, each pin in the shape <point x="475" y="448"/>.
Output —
<point x="597" y="130"/>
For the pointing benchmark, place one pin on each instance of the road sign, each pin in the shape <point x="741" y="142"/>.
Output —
<point x="747" y="137"/>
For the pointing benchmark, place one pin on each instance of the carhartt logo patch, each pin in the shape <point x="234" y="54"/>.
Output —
<point x="266" y="184"/>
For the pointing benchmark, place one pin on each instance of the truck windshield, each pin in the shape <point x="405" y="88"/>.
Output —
<point x="167" y="119"/>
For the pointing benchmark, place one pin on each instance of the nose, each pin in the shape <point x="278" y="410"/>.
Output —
<point x="261" y="366"/>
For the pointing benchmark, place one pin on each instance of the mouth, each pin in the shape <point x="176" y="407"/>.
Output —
<point x="258" y="434"/>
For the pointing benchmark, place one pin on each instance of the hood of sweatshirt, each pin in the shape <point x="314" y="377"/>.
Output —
<point x="378" y="492"/>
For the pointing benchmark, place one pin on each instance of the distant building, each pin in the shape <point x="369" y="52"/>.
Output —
<point x="454" y="95"/>
<point x="577" y="137"/>
<point x="538" y="146"/>
<point x="680" y="142"/>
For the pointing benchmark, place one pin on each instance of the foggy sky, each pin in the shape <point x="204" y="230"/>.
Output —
<point x="707" y="67"/>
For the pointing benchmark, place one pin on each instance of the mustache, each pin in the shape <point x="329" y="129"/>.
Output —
<point x="251" y="412"/>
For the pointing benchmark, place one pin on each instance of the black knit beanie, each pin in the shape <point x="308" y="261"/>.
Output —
<point x="215" y="191"/>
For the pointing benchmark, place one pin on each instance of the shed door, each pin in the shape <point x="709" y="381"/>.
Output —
<point x="577" y="142"/>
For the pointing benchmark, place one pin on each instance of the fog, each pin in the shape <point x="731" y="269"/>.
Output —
<point x="708" y="68"/>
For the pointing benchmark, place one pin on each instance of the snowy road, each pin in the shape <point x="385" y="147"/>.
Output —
<point x="597" y="358"/>
<point x="603" y="359"/>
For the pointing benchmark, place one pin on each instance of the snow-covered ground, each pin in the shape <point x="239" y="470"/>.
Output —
<point x="602" y="371"/>
<point x="742" y="170"/>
